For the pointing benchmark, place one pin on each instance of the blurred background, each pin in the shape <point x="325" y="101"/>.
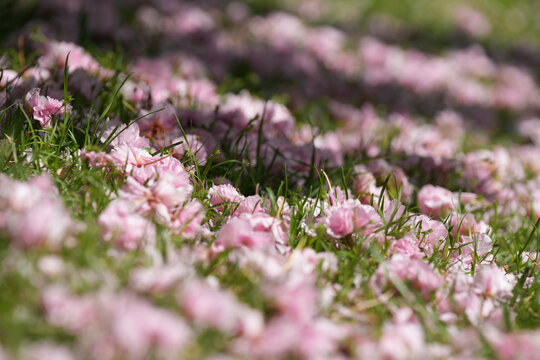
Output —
<point x="507" y="22"/>
<point x="305" y="52"/>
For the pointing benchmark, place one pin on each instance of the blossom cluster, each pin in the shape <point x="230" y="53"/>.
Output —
<point x="409" y="252"/>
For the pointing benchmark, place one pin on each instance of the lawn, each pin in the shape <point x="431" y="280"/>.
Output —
<point x="269" y="179"/>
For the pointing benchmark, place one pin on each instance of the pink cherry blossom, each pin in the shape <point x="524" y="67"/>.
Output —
<point x="43" y="108"/>
<point x="406" y="246"/>
<point x="56" y="54"/>
<point x="187" y="220"/>
<point x="471" y="248"/>
<point x="136" y="327"/>
<point x="284" y="337"/>
<point x="117" y="325"/>
<point x="212" y="307"/>
<point x="10" y="77"/>
<point x="351" y="216"/>
<point x="419" y="274"/>
<point x="199" y="143"/>
<point x="124" y="227"/>
<point x="33" y="215"/>
<point x="435" y="201"/>
<point x="432" y="233"/>
<point x="466" y="224"/>
<point x="224" y="193"/>
<point x="402" y="338"/>
<point x="492" y="281"/>
<point x="253" y="204"/>
<point x="519" y="345"/>
<point x="68" y="311"/>
<point x="393" y="210"/>
<point x="124" y="134"/>
<point x="245" y="231"/>
<point x="158" y="279"/>
<point x="161" y="197"/>
<point x="295" y="299"/>
<point x="339" y="221"/>
<point x="365" y="186"/>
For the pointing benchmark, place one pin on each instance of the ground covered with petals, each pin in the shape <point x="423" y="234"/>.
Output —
<point x="276" y="179"/>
